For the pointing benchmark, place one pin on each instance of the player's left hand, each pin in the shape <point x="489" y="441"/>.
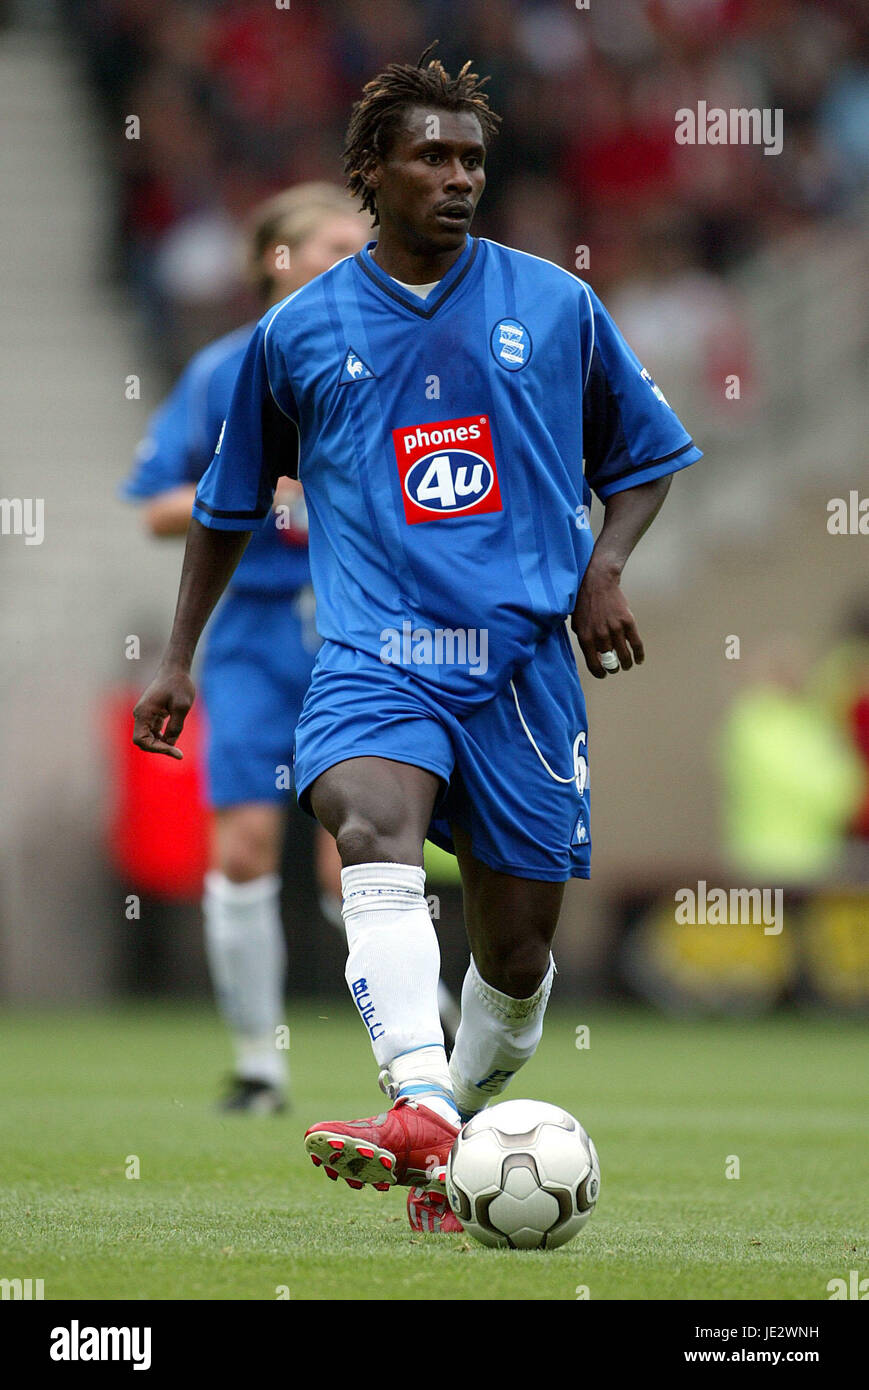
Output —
<point x="287" y="491"/>
<point x="603" y="622"/>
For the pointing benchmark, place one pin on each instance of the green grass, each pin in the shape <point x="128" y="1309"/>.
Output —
<point x="230" y="1208"/>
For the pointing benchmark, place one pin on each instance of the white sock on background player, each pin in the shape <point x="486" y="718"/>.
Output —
<point x="392" y="972"/>
<point x="244" y="943"/>
<point x="330" y="907"/>
<point x="497" y="1035"/>
<point x="448" y="1009"/>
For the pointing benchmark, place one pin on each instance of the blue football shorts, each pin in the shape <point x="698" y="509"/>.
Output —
<point x="259" y="655"/>
<point x="514" y="771"/>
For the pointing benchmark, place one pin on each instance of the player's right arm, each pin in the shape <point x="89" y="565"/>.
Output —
<point x="174" y="452"/>
<point x="210" y="558"/>
<point x="258" y="444"/>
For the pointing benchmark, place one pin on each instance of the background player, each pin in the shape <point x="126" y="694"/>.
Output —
<point x="260" y="649"/>
<point x="407" y="525"/>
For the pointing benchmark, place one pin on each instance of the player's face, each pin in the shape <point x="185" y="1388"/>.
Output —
<point x="429" y="184"/>
<point x="334" y="239"/>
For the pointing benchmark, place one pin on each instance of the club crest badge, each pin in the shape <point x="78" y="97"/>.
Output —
<point x="511" y="344"/>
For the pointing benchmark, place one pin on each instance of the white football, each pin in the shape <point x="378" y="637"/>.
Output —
<point x="523" y="1175"/>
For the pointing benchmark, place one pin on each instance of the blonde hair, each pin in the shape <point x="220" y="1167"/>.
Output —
<point x="289" y="218"/>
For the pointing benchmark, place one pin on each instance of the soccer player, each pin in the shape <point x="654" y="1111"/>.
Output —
<point x="259" y="653"/>
<point x="441" y="394"/>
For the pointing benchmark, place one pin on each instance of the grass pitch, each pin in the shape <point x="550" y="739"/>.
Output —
<point x="230" y="1208"/>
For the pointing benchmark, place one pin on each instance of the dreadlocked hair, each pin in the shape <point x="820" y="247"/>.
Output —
<point x="376" y="116"/>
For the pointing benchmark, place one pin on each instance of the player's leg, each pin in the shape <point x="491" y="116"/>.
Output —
<point x="254" y="677"/>
<point x="518" y="819"/>
<point x="245" y="947"/>
<point x="511" y="922"/>
<point x="328" y="867"/>
<point x="379" y="810"/>
<point x="372" y="755"/>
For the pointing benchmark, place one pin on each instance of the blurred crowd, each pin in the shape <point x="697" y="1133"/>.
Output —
<point x="236" y="98"/>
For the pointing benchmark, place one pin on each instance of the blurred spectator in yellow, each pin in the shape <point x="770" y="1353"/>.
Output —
<point x="840" y="684"/>
<point x="792" y="783"/>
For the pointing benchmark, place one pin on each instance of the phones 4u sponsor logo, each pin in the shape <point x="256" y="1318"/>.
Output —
<point x="447" y="468"/>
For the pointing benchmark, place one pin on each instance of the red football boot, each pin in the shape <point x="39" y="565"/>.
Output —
<point x="429" y="1210"/>
<point x="406" y="1145"/>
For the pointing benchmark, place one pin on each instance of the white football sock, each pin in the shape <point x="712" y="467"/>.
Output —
<point x="392" y="972"/>
<point x="497" y="1035"/>
<point x="244" y="943"/>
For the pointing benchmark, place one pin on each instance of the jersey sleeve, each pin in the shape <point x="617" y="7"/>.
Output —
<point x="173" y="450"/>
<point x="631" y="435"/>
<point x="259" y="442"/>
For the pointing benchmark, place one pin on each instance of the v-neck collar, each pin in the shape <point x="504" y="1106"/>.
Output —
<point x="423" y="308"/>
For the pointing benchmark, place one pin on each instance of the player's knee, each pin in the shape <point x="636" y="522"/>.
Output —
<point x="242" y="864"/>
<point x="515" y="968"/>
<point x="246" y="850"/>
<point x="361" y="841"/>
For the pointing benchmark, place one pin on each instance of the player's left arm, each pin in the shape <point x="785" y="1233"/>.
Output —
<point x="168" y="514"/>
<point x="601" y="619"/>
<point x="633" y="442"/>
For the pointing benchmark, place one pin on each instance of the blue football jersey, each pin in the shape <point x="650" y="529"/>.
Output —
<point x="178" y="446"/>
<point x="448" y="448"/>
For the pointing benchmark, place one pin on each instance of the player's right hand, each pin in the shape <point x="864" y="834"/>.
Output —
<point x="168" y="697"/>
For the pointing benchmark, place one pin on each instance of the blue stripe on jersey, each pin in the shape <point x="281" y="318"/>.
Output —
<point x="532" y="508"/>
<point x="387" y="536"/>
<point x="447" y="490"/>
